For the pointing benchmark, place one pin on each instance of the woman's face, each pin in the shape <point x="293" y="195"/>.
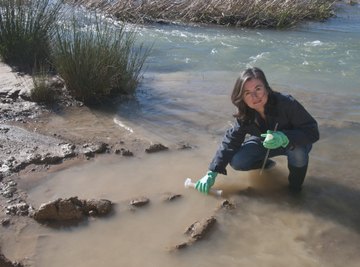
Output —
<point x="255" y="95"/>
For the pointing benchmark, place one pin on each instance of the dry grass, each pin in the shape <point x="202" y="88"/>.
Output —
<point x="245" y="13"/>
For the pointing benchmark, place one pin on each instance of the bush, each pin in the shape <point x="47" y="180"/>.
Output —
<point x="25" y="31"/>
<point x="99" y="60"/>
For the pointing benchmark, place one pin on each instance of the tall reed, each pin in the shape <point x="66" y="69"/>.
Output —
<point x="26" y="27"/>
<point x="248" y="13"/>
<point x="99" y="60"/>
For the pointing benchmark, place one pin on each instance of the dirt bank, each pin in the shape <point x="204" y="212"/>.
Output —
<point x="32" y="142"/>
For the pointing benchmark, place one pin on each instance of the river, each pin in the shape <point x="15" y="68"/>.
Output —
<point x="185" y="98"/>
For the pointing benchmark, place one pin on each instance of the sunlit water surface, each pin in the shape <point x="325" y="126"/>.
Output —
<point x="184" y="97"/>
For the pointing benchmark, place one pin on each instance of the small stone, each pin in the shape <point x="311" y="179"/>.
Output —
<point x="181" y="245"/>
<point x="171" y="196"/>
<point x="139" y="202"/>
<point x="127" y="153"/>
<point x="156" y="148"/>
<point x="5" y="222"/>
<point x="12" y="183"/>
<point x="226" y="204"/>
<point x="184" y="146"/>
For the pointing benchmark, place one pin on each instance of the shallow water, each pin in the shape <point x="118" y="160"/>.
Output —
<point x="185" y="98"/>
<point x="269" y="227"/>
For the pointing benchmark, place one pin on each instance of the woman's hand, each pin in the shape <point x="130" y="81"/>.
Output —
<point x="275" y="140"/>
<point x="205" y="183"/>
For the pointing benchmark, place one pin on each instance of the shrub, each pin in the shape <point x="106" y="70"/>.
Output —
<point x="99" y="60"/>
<point x="25" y="31"/>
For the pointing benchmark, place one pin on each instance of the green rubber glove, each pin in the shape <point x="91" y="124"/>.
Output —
<point x="205" y="183"/>
<point x="275" y="140"/>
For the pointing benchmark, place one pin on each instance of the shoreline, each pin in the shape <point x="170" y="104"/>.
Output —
<point x="34" y="145"/>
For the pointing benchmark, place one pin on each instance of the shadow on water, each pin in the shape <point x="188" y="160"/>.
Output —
<point x="330" y="200"/>
<point x="321" y="196"/>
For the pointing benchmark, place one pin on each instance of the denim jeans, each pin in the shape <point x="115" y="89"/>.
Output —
<point x="252" y="153"/>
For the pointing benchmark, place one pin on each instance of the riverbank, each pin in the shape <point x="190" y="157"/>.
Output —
<point x="37" y="140"/>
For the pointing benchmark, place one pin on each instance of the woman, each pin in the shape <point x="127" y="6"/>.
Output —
<point x="261" y="112"/>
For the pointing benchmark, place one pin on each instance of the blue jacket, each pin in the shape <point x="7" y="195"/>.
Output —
<point x="292" y="118"/>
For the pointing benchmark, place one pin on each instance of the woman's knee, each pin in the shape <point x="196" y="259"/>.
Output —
<point x="239" y="165"/>
<point x="250" y="153"/>
<point x="299" y="156"/>
<point x="242" y="163"/>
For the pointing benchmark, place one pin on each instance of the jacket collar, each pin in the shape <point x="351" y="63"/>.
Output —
<point x="271" y="105"/>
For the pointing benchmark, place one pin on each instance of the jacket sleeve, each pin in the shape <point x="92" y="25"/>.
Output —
<point x="304" y="128"/>
<point x="231" y="142"/>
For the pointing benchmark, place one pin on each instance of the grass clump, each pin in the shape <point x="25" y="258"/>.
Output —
<point x="245" y="13"/>
<point x="26" y="27"/>
<point x="98" y="61"/>
<point x="42" y="91"/>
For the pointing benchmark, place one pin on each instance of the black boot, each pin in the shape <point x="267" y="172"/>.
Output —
<point x="296" y="177"/>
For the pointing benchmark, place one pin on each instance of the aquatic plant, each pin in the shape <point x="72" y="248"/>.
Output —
<point x="249" y="13"/>
<point x="97" y="59"/>
<point x="25" y="31"/>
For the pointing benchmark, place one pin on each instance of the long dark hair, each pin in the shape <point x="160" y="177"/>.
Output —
<point x="244" y="113"/>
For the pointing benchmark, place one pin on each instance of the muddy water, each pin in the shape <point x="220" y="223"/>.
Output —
<point x="269" y="227"/>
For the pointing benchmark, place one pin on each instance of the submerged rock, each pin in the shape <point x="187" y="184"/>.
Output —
<point x="5" y="222"/>
<point x="139" y="202"/>
<point x="72" y="209"/>
<point x="171" y="196"/>
<point x="196" y="231"/>
<point x="226" y="205"/>
<point x="156" y="148"/>
<point x="199" y="229"/>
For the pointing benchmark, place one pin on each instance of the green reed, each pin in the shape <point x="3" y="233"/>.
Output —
<point x="26" y="28"/>
<point x="98" y="61"/>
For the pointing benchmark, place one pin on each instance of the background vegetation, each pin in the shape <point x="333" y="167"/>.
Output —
<point x="247" y="13"/>
<point x="26" y="29"/>
<point x="95" y="59"/>
<point x="99" y="60"/>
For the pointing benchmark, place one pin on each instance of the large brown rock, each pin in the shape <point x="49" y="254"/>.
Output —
<point x="196" y="231"/>
<point x="72" y="209"/>
<point x="199" y="229"/>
